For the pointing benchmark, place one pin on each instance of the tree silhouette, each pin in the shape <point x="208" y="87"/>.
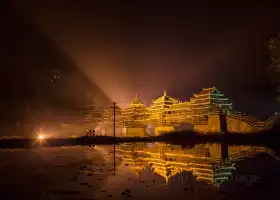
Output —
<point x="274" y="68"/>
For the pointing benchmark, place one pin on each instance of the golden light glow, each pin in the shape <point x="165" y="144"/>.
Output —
<point x="41" y="137"/>
<point x="203" y="111"/>
<point x="170" y="160"/>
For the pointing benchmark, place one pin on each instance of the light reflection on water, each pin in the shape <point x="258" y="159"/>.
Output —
<point x="156" y="170"/>
<point x="206" y="162"/>
<point x="208" y="165"/>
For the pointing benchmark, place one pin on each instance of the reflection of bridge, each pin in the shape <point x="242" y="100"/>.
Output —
<point x="249" y="153"/>
<point x="207" y="111"/>
<point x="205" y="162"/>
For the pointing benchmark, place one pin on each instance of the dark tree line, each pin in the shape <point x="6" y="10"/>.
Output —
<point x="274" y="68"/>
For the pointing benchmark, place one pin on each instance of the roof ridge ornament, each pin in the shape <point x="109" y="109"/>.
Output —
<point x="164" y="92"/>
<point x="136" y="97"/>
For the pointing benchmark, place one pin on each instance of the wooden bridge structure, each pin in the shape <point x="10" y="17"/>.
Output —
<point x="208" y="111"/>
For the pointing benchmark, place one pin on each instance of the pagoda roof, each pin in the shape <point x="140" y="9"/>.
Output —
<point x="209" y="96"/>
<point x="136" y="165"/>
<point x="166" y="175"/>
<point x="164" y="170"/>
<point x="180" y="105"/>
<point x="137" y="106"/>
<point x="199" y="100"/>
<point x="206" y="92"/>
<point x="137" y="102"/>
<point x="165" y="98"/>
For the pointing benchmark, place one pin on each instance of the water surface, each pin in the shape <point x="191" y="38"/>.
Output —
<point x="140" y="170"/>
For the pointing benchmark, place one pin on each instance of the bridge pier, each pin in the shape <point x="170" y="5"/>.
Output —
<point x="224" y="153"/>
<point x="213" y="125"/>
<point x="163" y="129"/>
<point x="135" y="131"/>
<point x="223" y="123"/>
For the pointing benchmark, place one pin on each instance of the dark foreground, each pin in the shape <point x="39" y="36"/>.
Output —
<point x="270" y="138"/>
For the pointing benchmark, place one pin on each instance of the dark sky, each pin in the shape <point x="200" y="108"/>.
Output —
<point x="130" y="47"/>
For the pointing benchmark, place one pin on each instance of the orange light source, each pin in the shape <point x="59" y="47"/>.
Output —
<point x="41" y="137"/>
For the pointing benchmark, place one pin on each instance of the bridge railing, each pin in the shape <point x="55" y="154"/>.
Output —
<point x="247" y="119"/>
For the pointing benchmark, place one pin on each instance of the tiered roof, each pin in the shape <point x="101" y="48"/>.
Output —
<point x="164" y="169"/>
<point x="137" y="103"/>
<point x="93" y="116"/>
<point x="109" y="112"/>
<point x="207" y="98"/>
<point x="135" y="164"/>
<point x="162" y="103"/>
<point x="137" y="106"/>
<point x="180" y="106"/>
<point x="223" y="174"/>
<point x="135" y="112"/>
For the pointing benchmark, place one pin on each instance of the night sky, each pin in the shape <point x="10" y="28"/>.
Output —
<point x="112" y="51"/>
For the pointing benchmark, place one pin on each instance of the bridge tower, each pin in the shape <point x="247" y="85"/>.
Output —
<point x="214" y="105"/>
<point x="134" y="118"/>
<point x="157" y="112"/>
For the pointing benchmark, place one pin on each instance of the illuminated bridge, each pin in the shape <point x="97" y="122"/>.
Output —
<point x="208" y="111"/>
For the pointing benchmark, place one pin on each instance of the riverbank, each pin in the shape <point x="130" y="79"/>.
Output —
<point x="263" y="138"/>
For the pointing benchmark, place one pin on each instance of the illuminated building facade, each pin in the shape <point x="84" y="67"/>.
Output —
<point x="133" y="118"/>
<point x="157" y="113"/>
<point x="203" y="110"/>
<point x="208" y="111"/>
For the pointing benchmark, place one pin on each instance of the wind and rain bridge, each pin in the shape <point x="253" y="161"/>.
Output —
<point x="207" y="111"/>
